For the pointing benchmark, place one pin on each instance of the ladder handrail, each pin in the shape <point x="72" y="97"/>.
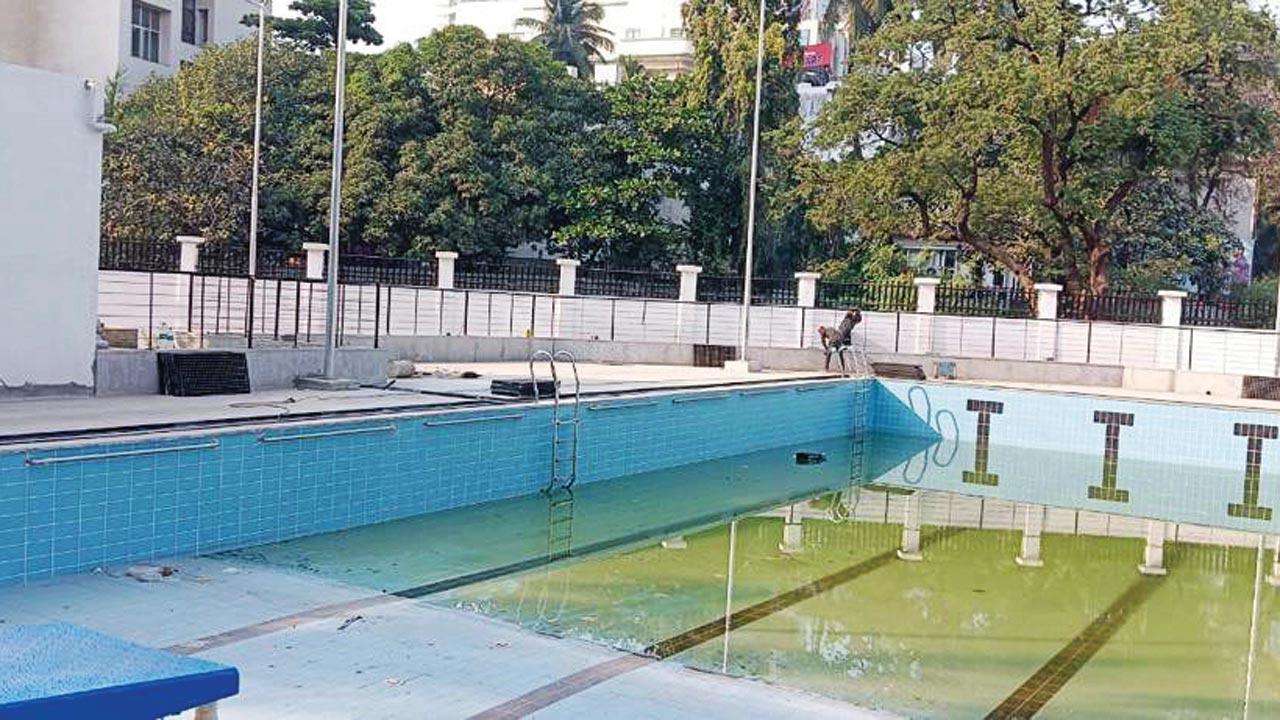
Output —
<point x="557" y="479"/>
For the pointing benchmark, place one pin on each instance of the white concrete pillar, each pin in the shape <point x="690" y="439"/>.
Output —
<point x="315" y="259"/>
<point x="1047" y="320"/>
<point x="927" y="294"/>
<point x="689" y="282"/>
<point x="807" y="289"/>
<point x="568" y="276"/>
<point x="446" y="262"/>
<point x="1047" y="301"/>
<point x="1153" y="554"/>
<point x="688" y="294"/>
<point x="792" y="533"/>
<point x="910" y="549"/>
<point x="1169" y="348"/>
<point x="926" y="303"/>
<point x="1032" y="529"/>
<point x="189" y="252"/>
<point x="1171" y="307"/>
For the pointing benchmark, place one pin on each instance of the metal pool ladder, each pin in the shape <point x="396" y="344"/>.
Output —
<point x="859" y="364"/>
<point x="564" y="450"/>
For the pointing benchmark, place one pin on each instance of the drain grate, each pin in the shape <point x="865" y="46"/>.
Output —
<point x="193" y="374"/>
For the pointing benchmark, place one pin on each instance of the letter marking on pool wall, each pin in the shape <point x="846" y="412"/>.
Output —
<point x="982" y="453"/>
<point x="1249" y="507"/>
<point x="1111" y="456"/>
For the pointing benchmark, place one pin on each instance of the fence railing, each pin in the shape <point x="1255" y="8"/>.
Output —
<point x="986" y="302"/>
<point x="216" y="311"/>
<point x="764" y="290"/>
<point x="543" y="276"/>
<point x="628" y="283"/>
<point x="1120" y="307"/>
<point x="877" y="295"/>
<point x="1223" y="312"/>
<point x="537" y="276"/>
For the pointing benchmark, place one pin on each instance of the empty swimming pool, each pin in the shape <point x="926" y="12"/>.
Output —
<point x="879" y="577"/>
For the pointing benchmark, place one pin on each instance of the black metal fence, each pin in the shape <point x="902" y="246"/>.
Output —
<point x="536" y="276"/>
<point x="764" y="290"/>
<point x="878" y="296"/>
<point x="1116" y="307"/>
<point x="611" y="282"/>
<point x="1225" y="312"/>
<point x="986" y="302"/>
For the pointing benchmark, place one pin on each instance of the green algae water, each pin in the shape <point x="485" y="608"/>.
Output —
<point x="863" y="580"/>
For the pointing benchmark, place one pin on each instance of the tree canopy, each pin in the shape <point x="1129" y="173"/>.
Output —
<point x="317" y="26"/>
<point x="1033" y="131"/>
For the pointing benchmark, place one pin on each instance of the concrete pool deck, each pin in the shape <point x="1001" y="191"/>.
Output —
<point x="440" y="386"/>
<point x="336" y="651"/>
<point x="37" y="416"/>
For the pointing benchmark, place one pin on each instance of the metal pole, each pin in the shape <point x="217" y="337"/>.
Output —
<point x="335" y="194"/>
<point x="728" y="595"/>
<point x="257" y="142"/>
<point x="751" y="198"/>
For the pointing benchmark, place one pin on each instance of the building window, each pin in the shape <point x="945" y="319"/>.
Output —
<point x="202" y="27"/>
<point x="146" y="32"/>
<point x="189" y="22"/>
<point x="677" y="33"/>
<point x="632" y="33"/>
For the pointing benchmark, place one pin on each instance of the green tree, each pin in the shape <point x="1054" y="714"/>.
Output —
<point x="571" y="30"/>
<point x="637" y="161"/>
<point x="317" y="28"/>
<point x="722" y="85"/>
<point x="181" y="160"/>
<point x="509" y="146"/>
<point x="859" y="18"/>
<point x="1024" y="130"/>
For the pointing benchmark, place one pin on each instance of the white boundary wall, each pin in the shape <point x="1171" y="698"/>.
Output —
<point x="50" y="190"/>
<point x="218" y="306"/>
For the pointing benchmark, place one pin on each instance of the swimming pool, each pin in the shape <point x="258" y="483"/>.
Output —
<point x="1025" y="596"/>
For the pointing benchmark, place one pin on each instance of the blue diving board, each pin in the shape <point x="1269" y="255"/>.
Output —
<point x="59" y="671"/>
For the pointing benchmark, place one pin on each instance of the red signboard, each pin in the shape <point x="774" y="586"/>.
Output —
<point x="818" y="57"/>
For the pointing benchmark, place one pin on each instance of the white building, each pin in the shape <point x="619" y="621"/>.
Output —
<point x="157" y="36"/>
<point x="97" y="38"/>
<point x="650" y="31"/>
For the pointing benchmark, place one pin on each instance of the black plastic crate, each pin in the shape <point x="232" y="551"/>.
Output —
<point x="522" y="388"/>
<point x="194" y="374"/>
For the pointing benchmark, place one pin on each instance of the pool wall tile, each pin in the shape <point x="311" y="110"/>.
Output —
<point x="265" y="486"/>
<point x="1179" y="462"/>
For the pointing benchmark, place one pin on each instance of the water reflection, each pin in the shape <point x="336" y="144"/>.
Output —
<point x="1010" y="609"/>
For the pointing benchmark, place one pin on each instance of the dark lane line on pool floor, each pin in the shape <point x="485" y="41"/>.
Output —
<point x="325" y="612"/>
<point x="1031" y="696"/>
<point x="570" y="685"/>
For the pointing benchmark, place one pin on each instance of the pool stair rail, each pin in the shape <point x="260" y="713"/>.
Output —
<point x="565" y="421"/>
<point x="859" y="365"/>
<point x="559" y="524"/>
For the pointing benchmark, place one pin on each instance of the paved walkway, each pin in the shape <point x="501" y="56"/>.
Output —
<point x="440" y="387"/>
<point x="391" y="658"/>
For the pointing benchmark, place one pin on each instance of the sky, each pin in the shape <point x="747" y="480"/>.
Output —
<point x="398" y="20"/>
<point x="407" y="20"/>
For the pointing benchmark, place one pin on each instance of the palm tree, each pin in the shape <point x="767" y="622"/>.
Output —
<point x="571" y="29"/>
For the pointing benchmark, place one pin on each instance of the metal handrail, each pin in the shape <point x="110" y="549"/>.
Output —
<point x="211" y="445"/>
<point x="468" y="421"/>
<point x="623" y="405"/>
<point x="264" y="438"/>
